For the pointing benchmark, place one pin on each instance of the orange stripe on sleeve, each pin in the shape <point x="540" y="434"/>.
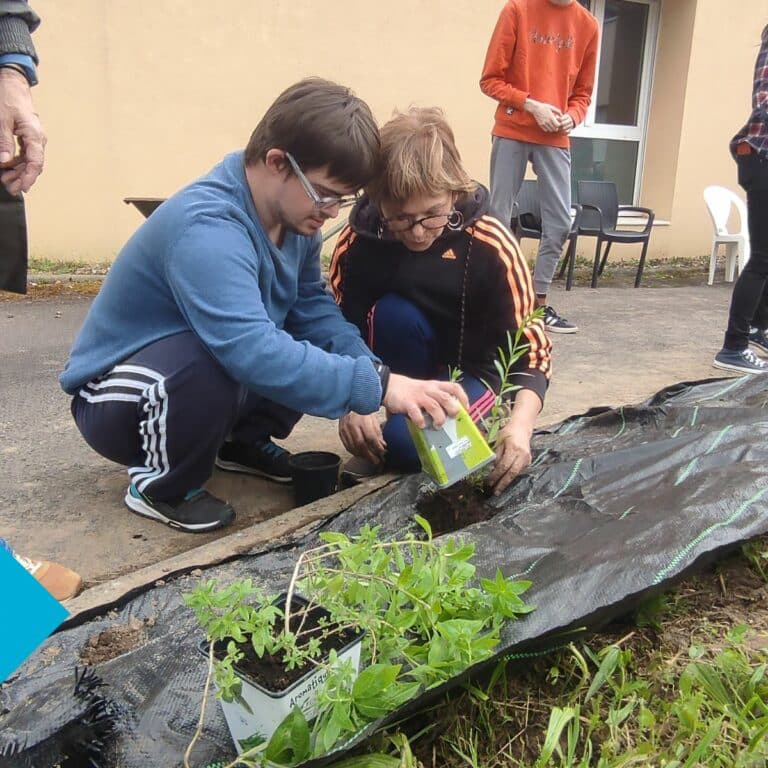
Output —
<point x="509" y="245"/>
<point x="493" y="233"/>
<point x="336" y="269"/>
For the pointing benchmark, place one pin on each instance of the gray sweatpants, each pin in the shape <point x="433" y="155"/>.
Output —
<point x="552" y="166"/>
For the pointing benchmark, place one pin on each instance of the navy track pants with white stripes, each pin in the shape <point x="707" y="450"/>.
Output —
<point x="165" y="412"/>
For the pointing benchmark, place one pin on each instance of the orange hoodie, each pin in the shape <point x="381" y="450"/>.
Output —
<point x="544" y="51"/>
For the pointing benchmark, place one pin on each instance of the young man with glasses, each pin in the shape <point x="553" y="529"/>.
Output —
<point x="213" y="333"/>
<point x="435" y="284"/>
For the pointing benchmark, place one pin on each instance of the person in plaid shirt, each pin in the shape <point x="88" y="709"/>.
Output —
<point x="748" y="318"/>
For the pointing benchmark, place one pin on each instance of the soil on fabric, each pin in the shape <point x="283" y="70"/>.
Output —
<point x="454" y="508"/>
<point x="269" y="671"/>
<point x="115" y="641"/>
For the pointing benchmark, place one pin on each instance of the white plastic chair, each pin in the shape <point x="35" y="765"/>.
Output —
<point x="719" y="201"/>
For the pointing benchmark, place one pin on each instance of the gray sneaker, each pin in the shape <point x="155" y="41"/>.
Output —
<point x="742" y="360"/>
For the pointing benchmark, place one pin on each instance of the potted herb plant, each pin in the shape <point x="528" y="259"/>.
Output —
<point x="265" y="670"/>
<point x="411" y="608"/>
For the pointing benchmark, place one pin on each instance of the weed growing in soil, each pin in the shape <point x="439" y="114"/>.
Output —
<point x="692" y="692"/>
<point x="615" y="707"/>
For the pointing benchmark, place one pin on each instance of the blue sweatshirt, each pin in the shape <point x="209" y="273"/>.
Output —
<point x="203" y="262"/>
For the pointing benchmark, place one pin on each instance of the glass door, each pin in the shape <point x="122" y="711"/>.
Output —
<point x="609" y="145"/>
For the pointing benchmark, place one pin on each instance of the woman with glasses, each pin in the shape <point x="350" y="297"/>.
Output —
<point x="435" y="284"/>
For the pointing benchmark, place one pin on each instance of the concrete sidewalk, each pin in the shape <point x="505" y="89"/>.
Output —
<point x="59" y="500"/>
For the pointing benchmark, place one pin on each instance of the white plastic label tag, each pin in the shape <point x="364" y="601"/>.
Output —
<point x="459" y="447"/>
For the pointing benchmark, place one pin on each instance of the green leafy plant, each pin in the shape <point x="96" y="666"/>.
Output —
<point x="454" y="373"/>
<point x="424" y="616"/>
<point x="506" y="357"/>
<point x="756" y="554"/>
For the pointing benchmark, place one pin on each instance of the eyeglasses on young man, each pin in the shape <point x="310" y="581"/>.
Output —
<point x="320" y="201"/>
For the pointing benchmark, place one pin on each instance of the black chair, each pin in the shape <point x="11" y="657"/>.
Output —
<point x="529" y="225"/>
<point x="600" y="213"/>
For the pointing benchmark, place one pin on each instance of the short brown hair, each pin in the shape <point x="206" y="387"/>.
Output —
<point x="321" y="124"/>
<point x="418" y="157"/>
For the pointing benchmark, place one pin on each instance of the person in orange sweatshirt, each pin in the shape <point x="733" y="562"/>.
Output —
<point x="540" y="67"/>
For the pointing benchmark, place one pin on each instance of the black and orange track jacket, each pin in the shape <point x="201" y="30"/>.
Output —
<point x="475" y="276"/>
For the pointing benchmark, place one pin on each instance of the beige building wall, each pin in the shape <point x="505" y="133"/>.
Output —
<point x="141" y="96"/>
<point x="664" y="134"/>
<point x="697" y="107"/>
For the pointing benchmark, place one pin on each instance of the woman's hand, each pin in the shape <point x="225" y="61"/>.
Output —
<point x="513" y="455"/>
<point x="513" y="444"/>
<point x="362" y="436"/>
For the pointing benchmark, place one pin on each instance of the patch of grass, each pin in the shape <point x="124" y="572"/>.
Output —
<point x="755" y="553"/>
<point x="687" y="690"/>
<point x="658" y="272"/>
<point x="625" y="704"/>
<point x="325" y="259"/>
<point x="51" y="266"/>
<point x="654" y="610"/>
<point x="676" y="270"/>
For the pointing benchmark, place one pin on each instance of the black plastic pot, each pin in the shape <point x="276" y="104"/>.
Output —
<point x="315" y="475"/>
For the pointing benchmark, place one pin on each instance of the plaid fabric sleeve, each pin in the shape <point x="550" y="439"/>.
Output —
<point x="755" y="132"/>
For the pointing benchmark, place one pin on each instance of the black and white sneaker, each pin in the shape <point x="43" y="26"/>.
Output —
<point x="198" y="512"/>
<point x="742" y="360"/>
<point x="264" y="459"/>
<point x="758" y="339"/>
<point x="555" y="323"/>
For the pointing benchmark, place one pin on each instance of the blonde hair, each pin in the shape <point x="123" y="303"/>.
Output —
<point x="418" y="157"/>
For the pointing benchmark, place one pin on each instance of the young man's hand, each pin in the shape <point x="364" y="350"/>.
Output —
<point x="513" y="455"/>
<point x="546" y="115"/>
<point x="567" y="123"/>
<point x="410" y="397"/>
<point x="362" y="436"/>
<point x="18" y="119"/>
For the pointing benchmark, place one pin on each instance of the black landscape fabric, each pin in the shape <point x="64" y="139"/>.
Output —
<point x="618" y="504"/>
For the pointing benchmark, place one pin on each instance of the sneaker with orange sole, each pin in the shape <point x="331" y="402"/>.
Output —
<point x="63" y="583"/>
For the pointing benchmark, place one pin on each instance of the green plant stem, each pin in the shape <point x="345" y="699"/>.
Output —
<point x="381" y="579"/>
<point x="201" y="719"/>
<point x="304" y="559"/>
<point x="341" y="628"/>
<point x="292" y="583"/>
